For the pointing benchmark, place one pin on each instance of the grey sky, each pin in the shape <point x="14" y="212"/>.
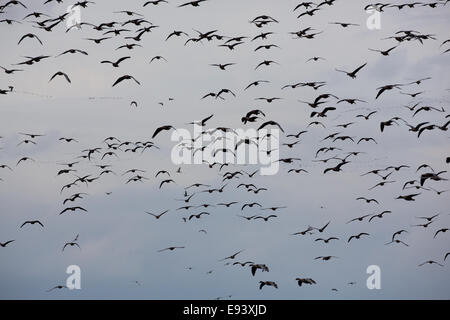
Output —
<point x="119" y="241"/>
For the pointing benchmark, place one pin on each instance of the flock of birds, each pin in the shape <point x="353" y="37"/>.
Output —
<point x="336" y="139"/>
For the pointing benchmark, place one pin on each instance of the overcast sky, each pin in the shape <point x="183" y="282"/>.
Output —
<point x="119" y="241"/>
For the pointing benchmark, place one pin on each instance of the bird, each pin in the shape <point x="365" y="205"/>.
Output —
<point x="24" y="159"/>
<point x="267" y="283"/>
<point x="195" y="3"/>
<point x="60" y="73"/>
<point x="366" y="117"/>
<point x="198" y="216"/>
<point x="57" y="287"/>
<point x="379" y="215"/>
<point x="125" y="77"/>
<point x="325" y="258"/>
<point x="222" y="66"/>
<point x="4" y="244"/>
<point x="384" y="52"/>
<point x="323" y="228"/>
<point x="117" y="62"/>
<point x="73" y="209"/>
<point x="31" y="36"/>
<point x="359" y="218"/>
<point x="385" y="88"/>
<point x="10" y="71"/>
<point x="357" y="236"/>
<point x="32" y="222"/>
<point x="354" y="72"/>
<point x="163" y="128"/>
<point x="409" y="197"/>
<point x="430" y="262"/>
<point x="233" y="256"/>
<point x="345" y="24"/>
<point x="158" y="58"/>
<point x="165" y="181"/>
<point x="265" y="218"/>
<point x="326" y="240"/>
<point x="367" y="200"/>
<point x="443" y="230"/>
<point x="72" y="243"/>
<point x="266" y="63"/>
<point x="170" y="249"/>
<point x="157" y="216"/>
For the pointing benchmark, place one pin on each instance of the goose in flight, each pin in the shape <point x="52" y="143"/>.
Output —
<point x="380" y="184"/>
<point x="256" y="83"/>
<point x="5" y="166"/>
<point x="384" y="52"/>
<point x="354" y="72"/>
<point x="379" y="215"/>
<point x="265" y="218"/>
<point x="315" y="59"/>
<point x="256" y="266"/>
<point x="233" y="256"/>
<point x="367" y="200"/>
<point x="163" y="128"/>
<point x="72" y="51"/>
<point x="24" y="159"/>
<point x="307" y="231"/>
<point x="397" y="233"/>
<point x="359" y="218"/>
<point x="158" y="58"/>
<point x="270" y="123"/>
<point x="4" y="244"/>
<point x="267" y="283"/>
<point x="222" y="66"/>
<point x="198" y="216"/>
<point x="323" y="228"/>
<point x="325" y="258"/>
<point x="250" y="205"/>
<point x="387" y="88"/>
<point x="125" y="77"/>
<point x="397" y="241"/>
<point x="430" y="262"/>
<point x="345" y="24"/>
<point x="98" y="40"/>
<point x="157" y="216"/>
<point x="170" y="248"/>
<point x="73" y="209"/>
<point x="443" y="230"/>
<point x="57" y="287"/>
<point x="326" y="240"/>
<point x="31" y="36"/>
<point x="301" y="281"/>
<point x="116" y="63"/>
<point x="366" y="117"/>
<point x="266" y="63"/>
<point x="165" y="181"/>
<point x="10" y="71"/>
<point x="357" y="236"/>
<point x="60" y="73"/>
<point x="72" y="243"/>
<point x="409" y="197"/>
<point x="195" y="3"/>
<point x="177" y="34"/>
<point x="32" y="222"/>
